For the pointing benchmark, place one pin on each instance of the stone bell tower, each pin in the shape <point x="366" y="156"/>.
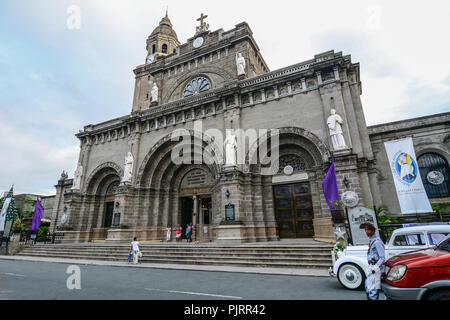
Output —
<point x="163" y="40"/>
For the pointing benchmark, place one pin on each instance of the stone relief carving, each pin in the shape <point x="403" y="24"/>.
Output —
<point x="296" y="162"/>
<point x="128" y="168"/>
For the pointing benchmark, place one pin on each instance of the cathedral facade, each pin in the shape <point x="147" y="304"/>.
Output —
<point x="214" y="87"/>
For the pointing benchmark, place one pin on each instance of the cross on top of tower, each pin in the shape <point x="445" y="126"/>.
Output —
<point x="202" y="17"/>
<point x="203" y="25"/>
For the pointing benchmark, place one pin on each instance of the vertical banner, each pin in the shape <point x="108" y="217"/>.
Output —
<point x="405" y="171"/>
<point x="3" y="213"/>
<point x="330" y="187"/>
<point x="37" y="216"/>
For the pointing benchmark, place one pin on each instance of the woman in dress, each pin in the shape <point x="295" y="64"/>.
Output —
<point x="178" y="232"/>
<point x="168" y="233"/>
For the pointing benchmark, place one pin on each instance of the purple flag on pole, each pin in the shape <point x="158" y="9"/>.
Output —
<point x="37" y="216"/>
<point x="330" y="187"/>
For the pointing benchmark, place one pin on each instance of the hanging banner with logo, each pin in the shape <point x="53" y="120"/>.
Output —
<point x="405" y="171"/>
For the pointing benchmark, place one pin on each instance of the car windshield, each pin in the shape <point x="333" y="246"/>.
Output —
<point x="444" y="245"/>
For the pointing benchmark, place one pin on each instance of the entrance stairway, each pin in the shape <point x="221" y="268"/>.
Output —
<point x="294" y="254"/>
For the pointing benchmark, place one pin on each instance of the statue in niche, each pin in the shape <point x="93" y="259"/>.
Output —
<point x="154" y="93"/>
<point x="77" y="177"/>
<point x="240" y="64"/>
<point x="335" y="123"/>
<point x="128" y="169"/>
<point x="230" y="149"/>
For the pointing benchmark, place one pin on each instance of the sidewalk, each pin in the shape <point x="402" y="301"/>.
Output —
<point x="276" y="271"/>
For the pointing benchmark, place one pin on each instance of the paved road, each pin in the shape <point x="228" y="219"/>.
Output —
<point x="42" y="280"/>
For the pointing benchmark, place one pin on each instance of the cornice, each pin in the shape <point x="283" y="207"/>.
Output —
<point x="230" y="88"/>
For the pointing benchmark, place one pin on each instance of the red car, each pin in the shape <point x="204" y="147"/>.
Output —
<point x="419" y="275"/>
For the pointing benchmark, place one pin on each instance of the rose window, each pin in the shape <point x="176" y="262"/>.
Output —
<point x="196" y="86"/>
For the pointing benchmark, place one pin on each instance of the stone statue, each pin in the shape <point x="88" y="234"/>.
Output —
<point x="64" y="175"/>
<point x="77" y="177"/>
<point x="230" y="150"/>
<point x="334" y="123"/>
<point x="240" y="64"/>
<point x="154" y="92"/>
<point x="128" y="169"/>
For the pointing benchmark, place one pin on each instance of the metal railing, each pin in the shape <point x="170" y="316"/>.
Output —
<point x="27" y="238"/>
<point x="386" y="230"/>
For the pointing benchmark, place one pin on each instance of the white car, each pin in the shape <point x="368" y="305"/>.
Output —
<point x="351" y="265"/>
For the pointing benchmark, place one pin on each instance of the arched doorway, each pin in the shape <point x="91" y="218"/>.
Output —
<point x="295" y="187"/>
<point x="109" y="205"/>
<point x="101" y="187"/>
<point x="195" y="197"/>
<point x="178" y="193"/>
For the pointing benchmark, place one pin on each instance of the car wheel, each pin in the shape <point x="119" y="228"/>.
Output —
<point x="440" y="295"/>
<point x="351" y="276"/>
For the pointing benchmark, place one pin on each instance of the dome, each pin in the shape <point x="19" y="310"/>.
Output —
<point x="165" y="27"/>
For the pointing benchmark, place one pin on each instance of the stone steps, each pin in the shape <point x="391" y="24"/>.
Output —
<point x="187" y="250"/>
<point x="269" y="256"/>
<point x="152" y="257"/>
<point x="182" y="254"/>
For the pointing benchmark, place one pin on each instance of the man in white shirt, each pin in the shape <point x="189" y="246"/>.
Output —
<point x="135" y="248"/>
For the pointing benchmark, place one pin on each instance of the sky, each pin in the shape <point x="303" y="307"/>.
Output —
<point x="67" y="64"/>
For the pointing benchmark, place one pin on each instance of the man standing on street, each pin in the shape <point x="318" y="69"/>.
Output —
<point x="376" y="259"/>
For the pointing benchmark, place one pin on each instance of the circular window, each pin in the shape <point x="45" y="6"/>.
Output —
<point x="196" y="86"/>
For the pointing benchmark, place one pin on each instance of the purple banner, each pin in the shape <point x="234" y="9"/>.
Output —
<point x="37" y="216"/>
<point x="330" y="187"/>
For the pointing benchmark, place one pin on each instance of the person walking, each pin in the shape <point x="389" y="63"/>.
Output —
<point x="376" y="259"/>
<point x="168" y="233"/>
<point x="135" y="248"/>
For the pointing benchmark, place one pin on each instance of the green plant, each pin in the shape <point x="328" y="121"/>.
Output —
<point x="17" y="225"/>
<point x="336" y="204"/>
<point x="382" y="217"/>
<point x="438" y="208"/>
<point x="42" y="233"/>
<point x="340" y="246"/>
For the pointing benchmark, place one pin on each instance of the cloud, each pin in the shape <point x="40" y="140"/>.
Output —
<point x="31" y="163"/>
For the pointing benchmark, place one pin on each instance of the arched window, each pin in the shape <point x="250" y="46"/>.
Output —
<point x="153" y="48"/>
<point x="196" y="86"/>
<point x="435" y="175"/>
<point x="164" y="48"/>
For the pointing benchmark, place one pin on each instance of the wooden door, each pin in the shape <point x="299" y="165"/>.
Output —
<point x="293" y="210"/>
